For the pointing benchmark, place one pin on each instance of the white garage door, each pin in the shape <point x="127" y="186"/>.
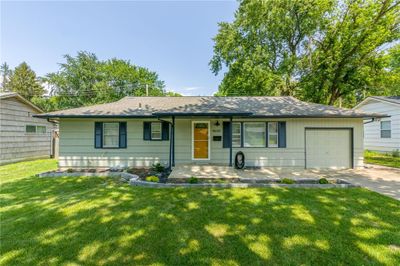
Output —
<point x="328" y="148"/>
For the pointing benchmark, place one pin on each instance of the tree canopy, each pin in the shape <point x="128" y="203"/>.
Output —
<point x="86" y="80"/>
<point x="22" y="80"/>
<point x="317" y="50"/>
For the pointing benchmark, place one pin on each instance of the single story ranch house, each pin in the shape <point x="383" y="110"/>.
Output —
<point x="270" y="131"/>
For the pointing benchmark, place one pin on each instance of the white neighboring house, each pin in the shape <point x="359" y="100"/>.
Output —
<point x="23" y="136"/>
<point x="382" y="135"/>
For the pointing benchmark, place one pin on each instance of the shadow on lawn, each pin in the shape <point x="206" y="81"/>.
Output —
<point x="98" y="221"/>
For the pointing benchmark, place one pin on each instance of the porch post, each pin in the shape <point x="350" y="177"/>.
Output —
<point x="173" y="141"/>
<point x="230" y="144"/>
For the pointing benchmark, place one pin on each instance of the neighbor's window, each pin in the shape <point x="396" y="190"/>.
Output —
<point x="236" y="135"/>
<point x="30" y="129"/>
<point x="35" y="129"/>
<point x="110" y="135"/>
<point x="41" y="129"/>
<point x="155" y="130"/>
<point x="254" y="134"/>
<point x="386" y="129"/>
<point x="273" y="134"/>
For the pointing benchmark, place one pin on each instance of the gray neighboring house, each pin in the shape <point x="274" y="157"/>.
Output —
<point x="22" y="136"/>
<point x="270" y="131"/>
<point x="382" y="135"/>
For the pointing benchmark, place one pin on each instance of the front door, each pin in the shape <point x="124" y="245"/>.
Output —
<point x="201" y="133"/>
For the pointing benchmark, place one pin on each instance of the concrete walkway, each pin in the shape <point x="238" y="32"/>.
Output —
<point x="384" y="180"/>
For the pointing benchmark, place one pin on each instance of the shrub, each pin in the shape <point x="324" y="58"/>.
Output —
<point x="287" y="181"/>
<point x="193" y="180"/>
<point x="152" y="178"/>
<point x="396" y="153"/>
<point x="158" y="167"/>
<point x="70" y="170"/>
<point x="323" y="181"/>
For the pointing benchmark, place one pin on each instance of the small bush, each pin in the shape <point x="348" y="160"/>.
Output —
<point x="287" y="181"/>
<point x="70" y="170"/>
<point x="152" y="178"/>
<point x="193" y="180"/>
<point x="396" y="153"/>
<point x="323" y="181"/>
<point x="158" y="167"/>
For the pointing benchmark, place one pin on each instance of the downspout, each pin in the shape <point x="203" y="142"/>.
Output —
<point x="230" y="146"/>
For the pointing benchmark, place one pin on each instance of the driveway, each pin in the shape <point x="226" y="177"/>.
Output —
<point x="384" y="180"/>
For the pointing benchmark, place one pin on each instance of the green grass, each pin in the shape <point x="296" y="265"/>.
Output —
<point x="98" y="221"/>
<point x="381" y="159"/>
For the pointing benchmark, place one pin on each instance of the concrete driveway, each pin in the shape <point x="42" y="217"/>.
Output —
<point x="384" y="180"/>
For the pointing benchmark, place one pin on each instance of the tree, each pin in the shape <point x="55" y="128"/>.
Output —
<point x="319" y="50"/>
<point x="5" y="72"/>
<point x="173" y="94"/>
<point x="349" y="56"/>
<point x="86" y="80"/>
<point x="23" y="80"/>
<point x="263" y="47"/>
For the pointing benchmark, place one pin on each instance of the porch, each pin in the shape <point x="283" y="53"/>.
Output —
<point x="209" y="172"/>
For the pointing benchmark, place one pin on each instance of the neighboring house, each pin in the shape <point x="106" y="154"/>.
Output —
<point x="22" y="136"/>
<point x="383" y="134"/>
<point x="270" y="131"/>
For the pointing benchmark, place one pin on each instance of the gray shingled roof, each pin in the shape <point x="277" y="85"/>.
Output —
<point x="392" y="99"/>
<point x="209" y="106"/>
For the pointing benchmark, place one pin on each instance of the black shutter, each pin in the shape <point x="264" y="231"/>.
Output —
<point x="98" y="135"/>
<point x="226" y="133"/>
<point x="165" y="131"/>
<point x="122" y="134"/>
<point x="282" y="134"/>
<point x="147" y="130"/>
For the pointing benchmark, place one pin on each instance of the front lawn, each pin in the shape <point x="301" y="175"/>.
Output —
<point x="381" y="159"/>
<point x="99" y="221"/>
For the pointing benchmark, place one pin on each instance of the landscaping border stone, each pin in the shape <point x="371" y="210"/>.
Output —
<point x="137" y="182"/>
<point x="126" y="176"/>
<point x="134" y="180"/>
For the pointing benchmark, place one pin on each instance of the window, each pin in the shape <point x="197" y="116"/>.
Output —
<point x="273" y="134"/>
<point x="110" y="135"/>
<point x="30" y="129"/>
<point x="236" y="135"/>
<point x="156" y="130"/>
<point x="41" y="129"/>
<point x="254" y="134"/>
<point x="386" y="129"/>
<point x="35" y="129"/>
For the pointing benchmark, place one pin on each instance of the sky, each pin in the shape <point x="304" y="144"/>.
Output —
<point x="172" y="38"/>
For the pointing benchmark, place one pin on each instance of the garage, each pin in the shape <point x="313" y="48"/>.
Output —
<point x="329" y="148"/>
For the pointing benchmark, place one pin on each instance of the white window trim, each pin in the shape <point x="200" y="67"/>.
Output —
<point x="273" y="134"/>
<point x="151" y="130"/>
<point x="390" y="130"/>
<point x="103" y="137"/>
<point x="209" y="142"/>
<point x="237" y="134"/>
<point x="244" y="135"/>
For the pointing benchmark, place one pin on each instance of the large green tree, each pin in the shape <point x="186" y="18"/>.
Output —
<point x="24" y="81"/>
<point x="318" y="50"/>
<point x="86" y="80"/>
